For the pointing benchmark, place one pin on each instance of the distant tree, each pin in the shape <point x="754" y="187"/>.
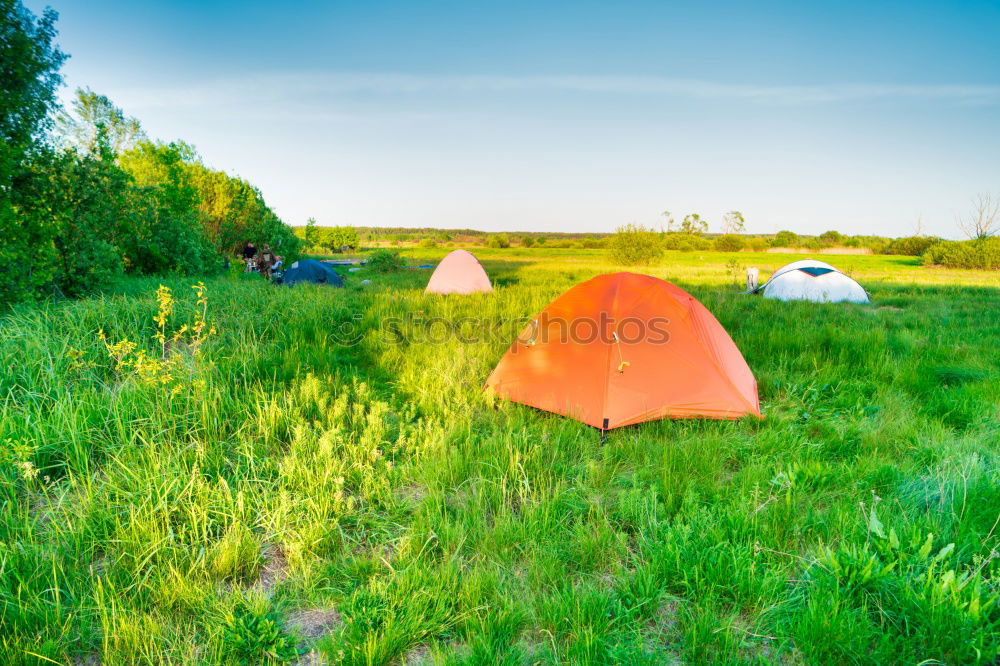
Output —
<point x="310" y="236"/>
<point x="693" y="224"/>
<point x="729" y="243"/>
<point x="733" y="222"/>
<point x="830" y="238"/>
<point x="527" y="241"/>
<point x="497" y="241"/>
<point x="668" y="220"/>
<point x="635" y="244"/>
<point x="786" y="239"/>
<point x="984" y="220"/>
<point x="540" y="240"/>
<point x="97" y="122"/>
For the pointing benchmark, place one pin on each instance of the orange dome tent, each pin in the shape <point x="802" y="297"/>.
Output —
<point x="624" y="348"/>
<point x="459" y="273"/>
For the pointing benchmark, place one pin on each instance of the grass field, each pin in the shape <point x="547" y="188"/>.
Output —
<point x="310" y="485"/>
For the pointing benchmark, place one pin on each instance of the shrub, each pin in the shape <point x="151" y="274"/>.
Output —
<point x="498" y="241"/>
<point x="982" y="253"/>
<point x="757" y="244"/>
<point x="428" y="242"/>
<point x="633" y="244"/>
<point x="592" y="243"/>
<point x="527" y="241"/>
<point x="685" y="242"/>
<point x="385" y="261"/>
<point x="729" y="243"/>
<point x="786" y="239"/>
<point x="831" y="238"/>
<point x="911" y="246"/>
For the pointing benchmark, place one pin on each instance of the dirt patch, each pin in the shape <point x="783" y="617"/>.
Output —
<point x="314" y="623"/>
<point x="412" y="494"/>
<point x="274" y="569"/>
<point x="87" y="660"/>
<point x="664" y="622"/>
<point x="421" y="654"/>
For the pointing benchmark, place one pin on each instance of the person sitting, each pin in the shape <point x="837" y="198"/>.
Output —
<point x="278" y="261"/>
<point x="249" y="252"/>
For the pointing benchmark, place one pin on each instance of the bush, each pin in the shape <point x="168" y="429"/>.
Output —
<point x="910" y="246"/>
<point x="982" y="253"/>
<point x="385" y="261"/>
<point x="428" y="242"/>
<point x="498" y="241"/>
<point x="634" y="244"/>
<point x="729" y="243"/>
<point x="685" y="242"/>
<point x="592" y="243"/>
<point x="527" y="241"/>
<point x="757" y="244"/>
<point x="786" y="239"/>
<point x="831" y="238"/>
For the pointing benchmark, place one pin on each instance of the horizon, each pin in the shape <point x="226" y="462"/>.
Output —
<point x="566" y="118"/>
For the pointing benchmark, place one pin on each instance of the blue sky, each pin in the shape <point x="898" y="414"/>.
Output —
<point x="567" y="116"/>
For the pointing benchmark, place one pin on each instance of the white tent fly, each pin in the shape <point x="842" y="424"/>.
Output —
<point x="811" y="280"/>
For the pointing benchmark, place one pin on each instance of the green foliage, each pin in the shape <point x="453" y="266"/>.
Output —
<point x="635" y="245"/>
<point x="733" y="223"/>
<point x="527" y="241"/>
<point x="31" y="63"/>
<point x="729" y="243"/>
<point x="786" y="239"/>
<point x="685" y="242"/>
<point x="498" y="241"/>
<point x="831" y="238"/>
<point x="911" y="246"/>
<point x="97" y="125"/>
<point x="982" y="253"/>
<point x="694" y="224"/>
<point x="254" y="636"/>
<point x="30" y="75"/>
<point x="310" y="234"/>
<point x="385" y="261"/>
<point x="428" y="243"/>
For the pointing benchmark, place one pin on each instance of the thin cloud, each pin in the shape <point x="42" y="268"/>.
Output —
<point x="306" y="89"/>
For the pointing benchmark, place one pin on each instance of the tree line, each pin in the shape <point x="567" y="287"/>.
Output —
<point x="85" y="195"/>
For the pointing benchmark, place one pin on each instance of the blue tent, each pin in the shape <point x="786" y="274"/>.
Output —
<point x="310" y="270"/>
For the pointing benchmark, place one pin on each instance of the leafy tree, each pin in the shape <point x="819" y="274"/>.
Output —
<point x="668" y="220"/>
<point x="693" y="224"/>
<point x="29" y="76"/>
<point x="540" y="240"/>
<point x="733" y="222"/>
<point x="385" y="261"/>
<point x="310" y="236"/>
<point x="527" y="241"/>
<point x="830" y="238"/>
<point x="729" y="243"/>
<point x="635" y="244"/>
<point x="336" y="238"/>
<point x="498" y="241"/>
<point x="786" y="239"/>
<point x="97" y="121"/>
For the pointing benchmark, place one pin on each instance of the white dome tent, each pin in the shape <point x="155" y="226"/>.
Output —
<point x="811" y="280"/>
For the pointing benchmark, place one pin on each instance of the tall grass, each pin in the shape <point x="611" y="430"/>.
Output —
<point x="296" y="496"/>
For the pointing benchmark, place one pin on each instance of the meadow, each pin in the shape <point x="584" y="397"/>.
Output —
<point x="296" y="482"/>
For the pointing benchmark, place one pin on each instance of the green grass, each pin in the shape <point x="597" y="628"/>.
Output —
<point x="369" y="503"/>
